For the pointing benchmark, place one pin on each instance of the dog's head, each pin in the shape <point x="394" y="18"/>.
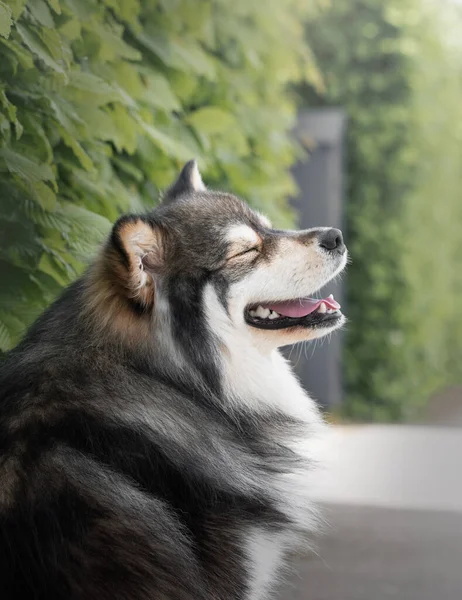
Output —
<point x="203" y="260"/>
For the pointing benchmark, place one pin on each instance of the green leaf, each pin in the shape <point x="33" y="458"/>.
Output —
<point x="157" y="92"/>
<point x="15" y="328"/>
<point x="129" y="169"/>
<point x="41" y="13"/>
<point x="22" y="54"/>
<point x="100" y="124"/>
<point x="11" y="112"/>
<point x="212" y="120"/>
<point x="17" y="7"/>
<point x="49" y="265"/>
<point x="169" y="145"/>
<point x="4" y="125"/>
<point x="196" y="59"/>
<point x="34" y="127"/>
<point x="64" y="112"/>
<point x="71" y="142"/>
<point x="176" y="53"/>
<point x="35" y="44"/>
<point x="5" y="337"/>
<point x="71" y="29"/>
<point x="38" y="216"/>
<point x="86" y="221"/>
<point x="55" y="6"/>
<point x="27" y="169"/>
<point x="112" y="46"/>
<point x="5" y="20"/>
<point x="125" y="131"/>
<point x="158" y="43"/>
<point x="54" y="42"/>
<point x="44" y="196"/>
<point x="127" y="10"/>
<point x="86" y="88"/>
<point x="184" y="85"/>
<point x="236" y="142"/>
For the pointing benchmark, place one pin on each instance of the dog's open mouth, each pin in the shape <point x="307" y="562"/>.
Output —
<point x="302" y="312"/>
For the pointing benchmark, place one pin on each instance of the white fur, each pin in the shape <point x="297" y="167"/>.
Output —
<point x="242" y="233"/>
<point x="196" y="179"/>
<point x="265" y="554"/>
<point x="264" y="220"/>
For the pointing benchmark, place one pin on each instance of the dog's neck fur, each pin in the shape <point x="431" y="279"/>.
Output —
<point x="256" y="374"/>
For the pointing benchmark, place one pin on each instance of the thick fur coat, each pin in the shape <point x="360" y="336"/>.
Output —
<point x="154" y="445"/>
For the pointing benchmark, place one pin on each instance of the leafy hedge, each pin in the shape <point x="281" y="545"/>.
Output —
<point x="102" y="100"/>
<point x="434" y="209"/>
<point x="397" y="72"/>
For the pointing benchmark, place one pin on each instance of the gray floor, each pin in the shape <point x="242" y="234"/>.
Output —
<point x="382" y="554"/>
<point x="392" y="498"/>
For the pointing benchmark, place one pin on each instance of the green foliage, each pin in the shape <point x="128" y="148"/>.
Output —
<point x="102" y="100"/>
<point x="396" y="71"/>
<point x="434" y="209"/>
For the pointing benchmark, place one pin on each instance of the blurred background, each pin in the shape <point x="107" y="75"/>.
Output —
<point x="318" y="112"/>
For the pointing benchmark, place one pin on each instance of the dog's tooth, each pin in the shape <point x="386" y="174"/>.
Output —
<point x="274" y="315"/>
<point x="330" y="310"/>
<point x="253" y="313"/>
<point x="263" y="313"/>
<point x="331" y="296"/>
<point x="322" y="308"/>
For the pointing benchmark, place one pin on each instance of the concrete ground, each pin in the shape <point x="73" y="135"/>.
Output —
<point x="383" y="554"/>
<point x="392" y="499"/>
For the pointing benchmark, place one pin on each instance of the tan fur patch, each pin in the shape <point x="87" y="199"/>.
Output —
<point x="143" y="245"/>
<point x="108" y="305"/>
<point x="112" y="286"/>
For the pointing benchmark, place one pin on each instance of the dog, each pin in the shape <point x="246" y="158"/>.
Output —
<point x="154" y="443"/>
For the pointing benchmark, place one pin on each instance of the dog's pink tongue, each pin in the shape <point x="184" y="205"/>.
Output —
<point x="302" y="307"/>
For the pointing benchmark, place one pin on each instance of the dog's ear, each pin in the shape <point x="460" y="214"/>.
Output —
<point x="139" y="248"/>
<point x="188" y="182"/>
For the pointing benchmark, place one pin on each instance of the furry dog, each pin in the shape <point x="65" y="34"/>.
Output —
<point x="154" y="444"/>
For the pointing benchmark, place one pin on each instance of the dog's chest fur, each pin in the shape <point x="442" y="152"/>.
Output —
<point x="267" y="383"/>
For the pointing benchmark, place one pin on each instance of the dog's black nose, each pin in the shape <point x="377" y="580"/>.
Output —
<point x="332" y="240"/>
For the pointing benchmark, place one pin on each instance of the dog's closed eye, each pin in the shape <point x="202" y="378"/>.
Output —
<point x="245" y="253"/>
